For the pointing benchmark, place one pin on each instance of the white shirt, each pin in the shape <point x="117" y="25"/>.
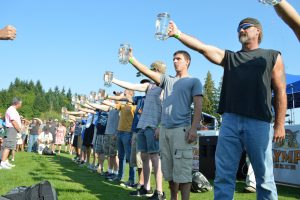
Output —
<point x="12" y="115"/>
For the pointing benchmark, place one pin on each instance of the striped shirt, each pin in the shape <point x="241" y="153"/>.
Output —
<point x="151" y="115"/>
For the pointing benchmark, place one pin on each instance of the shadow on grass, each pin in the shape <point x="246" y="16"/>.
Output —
<point x="69" y="172"/>
<point x="73" y="182"/>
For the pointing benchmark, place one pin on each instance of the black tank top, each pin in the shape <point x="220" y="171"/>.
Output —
<point x="247" y="86"/>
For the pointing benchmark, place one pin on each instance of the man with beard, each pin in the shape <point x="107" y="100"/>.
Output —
<point x="245" y="104"/>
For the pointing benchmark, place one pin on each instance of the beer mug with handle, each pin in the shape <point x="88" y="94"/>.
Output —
<point x="162" y="26"/>
<point x="124" y="53"/>
<point x="108" y="76"/>
<point x="92" y="97"/>
<point x="270" y="2"/>
<point x="101" y="95"/>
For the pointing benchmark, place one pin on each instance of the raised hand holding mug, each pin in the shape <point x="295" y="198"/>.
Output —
<point x="108" y="76"/>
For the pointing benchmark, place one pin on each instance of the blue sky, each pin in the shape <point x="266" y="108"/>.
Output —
<point x="70" y="43"/>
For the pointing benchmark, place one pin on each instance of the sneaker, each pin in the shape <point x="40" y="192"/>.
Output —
<point x="95" y="167"/>
<point x="111" y="176"/>
<point x="138" y="186"/>
<point x="83" y="164"/>
<point x="249" y="189"/>
<point x="108" y="175"/>
<point x="157" y="196"/>
<point x="141" y="192"/>
<point x="127" y="184"/>
<point x="102" y="173"/>
<point x="12" y="160"/>
<point x="115" y="179"/>
<point x="90" y="166"/>
<point x="4" y="165"/>
<point x="10" y="165"/>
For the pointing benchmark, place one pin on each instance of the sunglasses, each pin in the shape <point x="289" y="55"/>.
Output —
<point x="244" y="26"/>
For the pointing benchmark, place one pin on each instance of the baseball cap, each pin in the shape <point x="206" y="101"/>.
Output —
<point x="117" y="93"/>
<point x="145" y="81"/>
<point x="255" y="23"/>
<point x="159" y="66"/>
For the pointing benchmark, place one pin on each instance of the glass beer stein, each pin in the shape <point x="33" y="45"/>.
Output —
<point x="124" y="53"/>
<point x="108" y="76"/>
<point x="101" y="95"/>
<point x="162" y="26"/>
<point x="92" y="97"/>
<point x="270" y="2"/>
<point x="83" y="99"/>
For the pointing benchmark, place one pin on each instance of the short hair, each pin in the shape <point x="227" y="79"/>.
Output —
<point x="47" y="128"/>
<point x="185" y="54"/>
<point x="16" y="101"/>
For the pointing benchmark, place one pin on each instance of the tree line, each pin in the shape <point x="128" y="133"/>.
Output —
<point x="36" y="101"/>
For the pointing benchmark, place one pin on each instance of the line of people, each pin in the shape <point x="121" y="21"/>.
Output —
<point x="131" y="130"/>
<point x="249" y="77"/>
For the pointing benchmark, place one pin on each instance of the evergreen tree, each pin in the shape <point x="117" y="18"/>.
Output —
<point x="217" y="98"/>
<point x="63" y="91"/>
<point x="69" y="94"/>
<point x="56" y="90"/>
<point x="38" y="88"/>
<point x="36" y="102"/>
<point x="208" y="104"/>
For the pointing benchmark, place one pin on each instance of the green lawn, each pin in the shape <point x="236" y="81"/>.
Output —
<point x="72" y="182"/>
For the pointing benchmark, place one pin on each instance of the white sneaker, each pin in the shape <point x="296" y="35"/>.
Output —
<point x="4" y="165"/>
<point x="9" y="164"/>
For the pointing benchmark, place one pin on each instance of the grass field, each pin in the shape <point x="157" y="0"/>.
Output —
<point x="74" y="183"/>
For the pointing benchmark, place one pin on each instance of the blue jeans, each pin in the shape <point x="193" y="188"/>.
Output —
<point x="124" y="151"/>
<point x="32" y="143"/>
<point x="236" y="134"/>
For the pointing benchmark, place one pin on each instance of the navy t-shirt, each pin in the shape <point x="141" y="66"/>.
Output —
<point x="101" y="122"/>
<point x="139" y="102"/>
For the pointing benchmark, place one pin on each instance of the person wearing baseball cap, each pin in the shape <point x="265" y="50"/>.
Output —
<point x="250" y="75"/>
<point x="158" y="66"/>
<point x="251" y="22"/>
<point x="178" y="131"/>
<point x="146" y="131"/>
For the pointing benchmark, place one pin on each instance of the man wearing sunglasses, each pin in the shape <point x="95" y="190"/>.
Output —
<point x="250" y="74"/>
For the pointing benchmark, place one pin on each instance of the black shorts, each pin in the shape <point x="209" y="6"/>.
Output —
<point x="75" y="141"/>
<point x="88" y="136"/>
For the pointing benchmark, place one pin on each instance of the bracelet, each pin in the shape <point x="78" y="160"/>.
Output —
<point x="131" y="60"/>
<point x="178" y="34"/>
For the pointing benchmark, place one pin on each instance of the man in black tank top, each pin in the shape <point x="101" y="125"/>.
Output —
<point x="250" y="75"/>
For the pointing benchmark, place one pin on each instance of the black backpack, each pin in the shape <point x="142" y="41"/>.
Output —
<point x="47" y="151"/>
<point x="200" y="183"/>
<point x="40" y="191"/>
